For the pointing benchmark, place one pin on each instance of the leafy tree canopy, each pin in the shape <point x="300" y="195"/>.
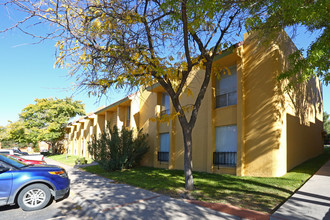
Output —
<point x="46" y="119"/>
<point x="2" y="133"/>
<point x="314" y="15"/>
<point x="15" y="131"/>
<point x="134" y="43"/>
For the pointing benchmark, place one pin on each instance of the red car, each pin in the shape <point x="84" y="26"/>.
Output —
<point x="27" y="161"/>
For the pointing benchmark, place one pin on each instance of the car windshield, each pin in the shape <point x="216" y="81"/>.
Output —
<point x="11" y="161"/>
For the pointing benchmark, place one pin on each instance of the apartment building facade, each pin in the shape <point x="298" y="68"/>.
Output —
<point x="247" y="124"/>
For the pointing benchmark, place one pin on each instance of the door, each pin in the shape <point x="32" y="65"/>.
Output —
<point x="6" y="180"/>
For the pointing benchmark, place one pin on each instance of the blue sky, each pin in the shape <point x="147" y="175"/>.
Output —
<point x="27" y="73"/>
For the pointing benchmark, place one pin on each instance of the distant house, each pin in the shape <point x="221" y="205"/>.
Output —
<point x="247" y="124"/>
<point x="43" y="146"/>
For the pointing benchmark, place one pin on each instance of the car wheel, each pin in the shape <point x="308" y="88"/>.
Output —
<point x="34" y="197"/>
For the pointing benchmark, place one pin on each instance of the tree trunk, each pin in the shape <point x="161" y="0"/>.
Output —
<point x="52" y="147"/>
<point x="189" y="182"/>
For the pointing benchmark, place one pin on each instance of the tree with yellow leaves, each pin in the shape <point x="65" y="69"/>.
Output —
<point x="124" y="43"/>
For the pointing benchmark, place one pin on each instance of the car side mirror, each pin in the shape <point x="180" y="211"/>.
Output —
<point x="3" y="169"/>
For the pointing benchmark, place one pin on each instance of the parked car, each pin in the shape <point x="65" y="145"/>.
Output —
<point x="18" y="151"/>
<point x="26" y="160"/>
<point x="31" y="186"/>
<point x="8" y="151"/>
<point x="39" y="157"/>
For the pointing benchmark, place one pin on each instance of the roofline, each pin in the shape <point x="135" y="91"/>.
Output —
<point x="89" y="115"/>
<point x="114" y="104"/>
<point x="153" y="86"/>
<point x="227" y="51"/>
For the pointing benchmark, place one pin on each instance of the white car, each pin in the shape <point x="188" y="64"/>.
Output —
<point x="39" y="157"/>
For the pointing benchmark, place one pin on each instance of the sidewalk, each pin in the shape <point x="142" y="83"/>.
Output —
<point x="101" y="198"/>
<point x="311" y="201"/>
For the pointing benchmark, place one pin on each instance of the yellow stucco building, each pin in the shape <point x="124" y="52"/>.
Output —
<point x="247" y="125"/>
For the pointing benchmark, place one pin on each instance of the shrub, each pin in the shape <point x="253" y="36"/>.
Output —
<point x="117" y="150"/>
<point x="36" y="148"/>
<point x="81" y="161"/>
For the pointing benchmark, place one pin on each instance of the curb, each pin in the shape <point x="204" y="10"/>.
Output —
<point x="232" y="210"/>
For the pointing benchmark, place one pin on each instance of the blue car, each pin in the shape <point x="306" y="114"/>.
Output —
<point x="31" y="186"/>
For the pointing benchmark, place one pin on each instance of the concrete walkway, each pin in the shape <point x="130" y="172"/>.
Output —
<point x="311" y="201"/>
<point x="101" y="198"/>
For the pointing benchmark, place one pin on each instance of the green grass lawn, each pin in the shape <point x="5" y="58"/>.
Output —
<point x="256" y="193"/>
<point x="67" y="159"/>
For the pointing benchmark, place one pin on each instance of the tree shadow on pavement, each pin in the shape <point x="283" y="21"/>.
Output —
<point x="101" y="198"/>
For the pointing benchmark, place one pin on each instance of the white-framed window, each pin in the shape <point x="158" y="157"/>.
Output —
<point x="226" y="88"/>
<point x="165" y="107"/>
<point x="225" y="145"/>
<point x="163" y="154"/>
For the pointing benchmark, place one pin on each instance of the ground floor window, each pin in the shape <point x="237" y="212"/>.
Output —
<point x="225" y="145"/>
<point x="82" y="147"/>
<point x="75" y="147"/>
<point x="163" y="154"/>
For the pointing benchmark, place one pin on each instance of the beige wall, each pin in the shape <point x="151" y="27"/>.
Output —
<point x="303" y="114"/>
<point x="147" y="106"/>
<point x="275" y="136"/>
<point x="301" y="141"/>
<point x="261" y="133"/>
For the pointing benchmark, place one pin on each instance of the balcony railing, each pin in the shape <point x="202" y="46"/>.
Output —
<point x="163" y="156"/>
<point x="224" y="158"/>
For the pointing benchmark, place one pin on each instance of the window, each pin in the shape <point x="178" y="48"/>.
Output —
<point x="225" y="145"/>
<point x="76" y="147"/>
<point x="82" y="147"/>
<point x="163" y="154"/>
<point x="128" y="117"/>
<point x="165" y="107"/>
<point x="226" y="91"/>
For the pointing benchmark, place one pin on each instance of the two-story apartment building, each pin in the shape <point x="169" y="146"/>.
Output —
<point x="247" y="124"/>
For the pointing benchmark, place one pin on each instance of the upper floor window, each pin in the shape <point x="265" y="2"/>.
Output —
<point x="165" y="107"/>
<point x="226" y="88"/>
